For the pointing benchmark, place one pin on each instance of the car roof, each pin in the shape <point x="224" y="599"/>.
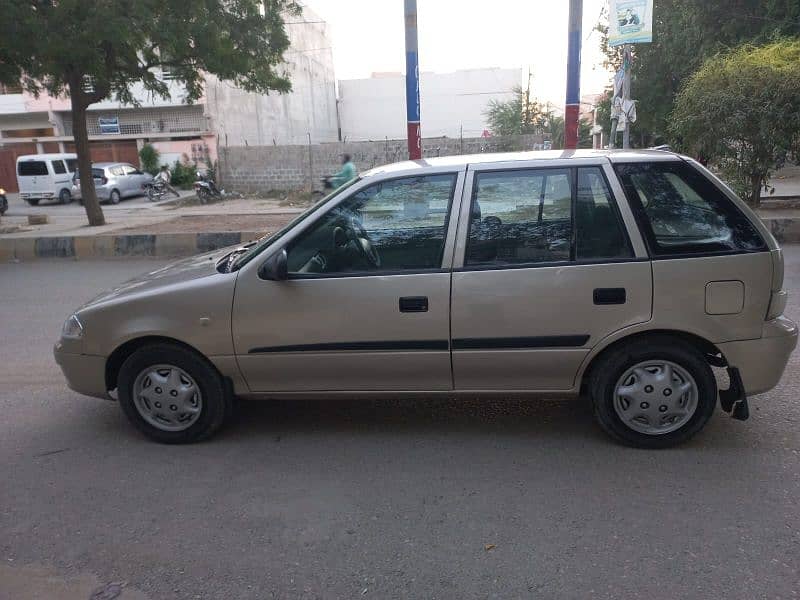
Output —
<point x="104" y="165"/>
<point x="51" y="156"/>
<point x="460" y="161"/>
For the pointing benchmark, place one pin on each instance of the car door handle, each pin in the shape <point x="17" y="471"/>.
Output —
<point x="609" y="296"/>
<point x="414" y="304"/>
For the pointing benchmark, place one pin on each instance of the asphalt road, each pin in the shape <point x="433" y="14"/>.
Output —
<point x="369" y="499"/>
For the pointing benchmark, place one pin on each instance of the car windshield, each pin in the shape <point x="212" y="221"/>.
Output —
<point x="249" y="252"/>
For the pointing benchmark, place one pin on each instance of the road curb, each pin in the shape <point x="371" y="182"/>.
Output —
<point x="177" y="245"/>
<point x="160" y="245"/>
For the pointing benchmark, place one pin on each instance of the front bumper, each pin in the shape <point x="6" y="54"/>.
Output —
<point x="761" y="362"/>
<point x="85" y="374"/>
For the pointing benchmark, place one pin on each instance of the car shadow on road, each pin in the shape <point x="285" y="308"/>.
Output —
<point x="531" y="417"/>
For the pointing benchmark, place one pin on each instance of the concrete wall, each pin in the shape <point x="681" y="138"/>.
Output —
<point x="264" y="168"/>
<point x="375" y="108"/>
<point x="241" y="118"/>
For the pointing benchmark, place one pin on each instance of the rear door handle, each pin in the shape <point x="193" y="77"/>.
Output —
<point x="609" y="296"/>
<point x="414" y="304"/>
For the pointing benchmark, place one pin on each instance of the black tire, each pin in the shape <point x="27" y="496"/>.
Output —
<point x="64" y="196"/>
<point x="114" y="197"/>
<point x="33" y="201"/>
<point x="216" y="398"/>
<point x="151" y="194"/>
<point x="203" y="195"/>
<point x="613" y="365"/>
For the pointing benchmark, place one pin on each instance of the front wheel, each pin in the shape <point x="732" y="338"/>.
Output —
<point x="151" y="195"/>
<point x="653" y="393"/>
<point x="172" y="394"/>
<point x="203" y="195"/>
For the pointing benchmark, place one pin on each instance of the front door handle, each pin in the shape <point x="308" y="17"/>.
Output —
<point x="609" y="296"/>
<point x="414" y="304"/>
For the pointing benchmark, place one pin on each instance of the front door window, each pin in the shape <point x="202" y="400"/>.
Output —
<point x="392" y="226"/>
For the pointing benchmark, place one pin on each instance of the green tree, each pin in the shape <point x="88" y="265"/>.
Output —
<point x="685" y="33"/>
<point x="515" y="116"/>
<point x="741" y="110"/>
<point x="92" y="50"/>
<point x="149" y="158"/>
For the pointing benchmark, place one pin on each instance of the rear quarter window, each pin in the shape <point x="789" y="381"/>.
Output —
<point x="30" y="168"/>
<point x="680" y="211"/>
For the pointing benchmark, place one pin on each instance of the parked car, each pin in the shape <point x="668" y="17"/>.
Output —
<point x="3" y="202"/>
<point x="46" y="177"/>
<point x="624" y="276"/>
<point x="114" y="181"/>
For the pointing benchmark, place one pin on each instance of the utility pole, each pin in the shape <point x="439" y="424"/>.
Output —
<point x="626" y="93"/>
<point x="412" y="82"/>
<point x="572" y="108"/>
<point x="527" y="103"/>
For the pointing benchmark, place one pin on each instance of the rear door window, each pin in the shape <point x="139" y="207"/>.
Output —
<point x="520" y="216"/>
<point x="680" y="211"/>
<point x="532" y="216"/>
<point x="31" y="168"/>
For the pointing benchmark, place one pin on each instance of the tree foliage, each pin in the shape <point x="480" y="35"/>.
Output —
<point x="516" y="116"/>
<point x="685" y="33"/>
<point x="741" y="110"/>
<point x="149" y="157"/>
<point x="92" y="50"/>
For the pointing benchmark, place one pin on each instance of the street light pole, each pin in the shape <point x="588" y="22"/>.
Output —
<point x="412" y="82"/>
<point x="572" y="108"/>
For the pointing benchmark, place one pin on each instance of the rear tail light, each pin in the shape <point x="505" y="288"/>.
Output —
<point x="777" y="304"/>
<point x="104" y="181"/>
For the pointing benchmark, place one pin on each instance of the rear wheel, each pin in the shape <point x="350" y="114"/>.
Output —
<point x="114" y="197"/>
<point x="172" y="394"/>
<point x="653" y="393"/>
<point x="151" y="195"/>
<point x="64" y="196"/>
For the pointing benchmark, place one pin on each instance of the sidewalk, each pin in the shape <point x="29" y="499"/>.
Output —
<point x="136" y="227"/>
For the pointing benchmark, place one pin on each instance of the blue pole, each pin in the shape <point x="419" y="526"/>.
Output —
<point x="412" y="82"/>
<point x="573" y="104"/>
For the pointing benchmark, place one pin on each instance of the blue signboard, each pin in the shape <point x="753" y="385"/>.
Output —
<point x="108" y="125"/>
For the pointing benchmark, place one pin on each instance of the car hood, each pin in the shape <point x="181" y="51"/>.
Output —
<point x="165" y="278"/>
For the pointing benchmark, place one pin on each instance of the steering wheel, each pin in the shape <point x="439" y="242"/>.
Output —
<point x="363" y="243"/>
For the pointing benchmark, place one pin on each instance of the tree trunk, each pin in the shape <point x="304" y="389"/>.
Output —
<point x="755" y="191"/>
<point x="81" y="137"/>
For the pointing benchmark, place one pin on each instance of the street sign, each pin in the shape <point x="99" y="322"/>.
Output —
<point x="630" y="22"/>
<point x="108" y="125"/>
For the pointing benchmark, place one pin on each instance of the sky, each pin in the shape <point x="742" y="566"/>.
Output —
<point x="368" y="36"/>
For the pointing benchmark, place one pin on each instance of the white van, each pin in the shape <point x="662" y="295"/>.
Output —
<point x="46" y="177"/>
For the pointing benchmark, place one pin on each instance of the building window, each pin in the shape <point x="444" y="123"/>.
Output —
<point x="167" y="74"/>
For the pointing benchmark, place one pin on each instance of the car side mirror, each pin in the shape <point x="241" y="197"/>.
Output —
<point x="275" y="268"/>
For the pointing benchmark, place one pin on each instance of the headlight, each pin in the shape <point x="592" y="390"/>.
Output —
<point x="73" y="329"/>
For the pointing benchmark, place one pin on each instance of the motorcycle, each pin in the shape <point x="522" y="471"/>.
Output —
<point x="155" y="190"/>
<point x="206" y="189"/>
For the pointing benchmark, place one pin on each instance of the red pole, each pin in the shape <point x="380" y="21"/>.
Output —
<point x="572" y="108"/>
<point x="412" y="82"/>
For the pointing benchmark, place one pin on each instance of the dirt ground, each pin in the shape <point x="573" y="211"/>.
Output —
<point x="213" y="223"/>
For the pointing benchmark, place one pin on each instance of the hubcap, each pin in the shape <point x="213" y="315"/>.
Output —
<point x="655" y="397"/>
<point x="167" y="397"/>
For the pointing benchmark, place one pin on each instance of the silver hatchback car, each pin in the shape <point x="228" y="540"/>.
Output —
<point x="114" y="181"/>
<point x="624" y="276"/>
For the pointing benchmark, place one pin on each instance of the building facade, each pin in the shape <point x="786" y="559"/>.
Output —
<point x="191" y="133"/>
<point x="451" y="104"/>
